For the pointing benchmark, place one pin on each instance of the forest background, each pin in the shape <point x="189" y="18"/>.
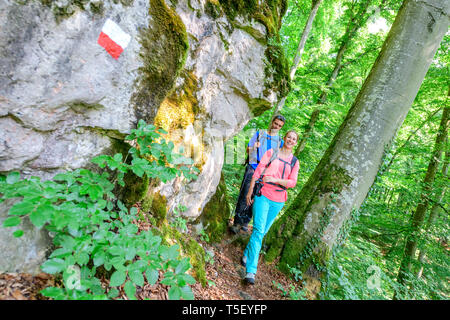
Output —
<point x="342" y="45"/>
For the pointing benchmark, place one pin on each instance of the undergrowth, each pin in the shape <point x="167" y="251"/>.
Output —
<point x="94" y="234"/>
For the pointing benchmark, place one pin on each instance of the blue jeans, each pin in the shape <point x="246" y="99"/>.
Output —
<point x="264" y="213"/>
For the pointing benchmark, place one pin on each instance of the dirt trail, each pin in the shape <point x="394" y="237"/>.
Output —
<point x="227" y="273"/>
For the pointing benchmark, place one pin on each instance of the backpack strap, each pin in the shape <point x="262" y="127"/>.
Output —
<point x="293" y="161"/>
<point x="292" y="164"/>
<point x="273" y="157"/>
<point x="247" y="160"/>
<point x="257" y="149"/>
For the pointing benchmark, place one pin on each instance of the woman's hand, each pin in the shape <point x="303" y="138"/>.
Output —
<point x="249" y="198"/>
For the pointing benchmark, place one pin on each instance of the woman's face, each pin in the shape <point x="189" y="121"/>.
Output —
<point x="290" y="140"/>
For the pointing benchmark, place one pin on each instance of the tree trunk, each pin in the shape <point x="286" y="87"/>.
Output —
<point x="299" y="52"/>
<point x="356" y="22"/>
<point x="390" y="197"/>
<point x="307" y="232"/>
<point x="308" y="131"/>
<point x="434" y="211"/>
<point x="419" y="215"/>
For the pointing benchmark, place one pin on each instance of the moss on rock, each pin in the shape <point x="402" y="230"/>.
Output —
<point x="164" y="47"/>
<point x="178" y="110"/>
<point x="215" y="214"/>
<point x="270" y="14"/>
<point x="135" y="188"/>
<point x="213" y="9"/>
<point x="277" y="70"/>
<point x="64" y="10"/>
<point x="155" y="205"/>
<point x="189" y="247"/>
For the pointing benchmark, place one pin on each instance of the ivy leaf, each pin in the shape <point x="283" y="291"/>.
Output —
<point x="82" y="258"/>
<point x="100" y="160"/>
<point x="38" y="218"/>
<point x="173" y="253"/>
<point x="60" y="253"/>
<point x="183" y="266"/>
<point x="113" y="293"/>
<point x="118" y="157"/>
<point x="186" y="293"/>
<point x="22" y="208"/>
<point x="53" y="292"/>
<point x="99" y="258"/>
<point x="95" y="192"/>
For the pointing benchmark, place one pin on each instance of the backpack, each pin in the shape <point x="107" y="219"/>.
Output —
<point x="292" y="164"/>
<point x="247" y="160"/>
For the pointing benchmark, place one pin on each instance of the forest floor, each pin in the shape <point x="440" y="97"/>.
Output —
<point x="224" y="274"/>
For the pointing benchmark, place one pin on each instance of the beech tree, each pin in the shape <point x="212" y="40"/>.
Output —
<point x="306" y="233"/>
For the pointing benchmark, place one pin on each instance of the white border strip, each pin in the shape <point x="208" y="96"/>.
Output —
<point x="116" y="34"/>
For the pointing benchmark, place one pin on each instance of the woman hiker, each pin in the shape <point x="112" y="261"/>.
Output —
<point x="261" y="141"/>
<point x="280" y="171"/>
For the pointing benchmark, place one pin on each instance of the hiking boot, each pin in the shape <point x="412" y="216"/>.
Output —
<point x="244" y="261"/>
<point x="235" y="229"/>
<point x="244" y="227"/>
<point x="250" y="278"/>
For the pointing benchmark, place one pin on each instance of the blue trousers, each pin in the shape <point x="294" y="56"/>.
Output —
<point x="264" y="213"/>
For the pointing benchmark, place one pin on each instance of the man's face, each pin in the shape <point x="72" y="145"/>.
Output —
<point x="277" y="124"/>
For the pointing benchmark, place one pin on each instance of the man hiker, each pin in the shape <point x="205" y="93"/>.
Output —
<point x="261" y="141"/>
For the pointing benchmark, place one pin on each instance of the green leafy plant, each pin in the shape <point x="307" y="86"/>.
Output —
<point x="179" y="222"/>
<point x="291" y="293"/>
<point x="95" y="234"/>
<point x="203" y="235"/>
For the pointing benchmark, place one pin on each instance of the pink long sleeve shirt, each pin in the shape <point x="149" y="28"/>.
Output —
<point x="275" y="170"/>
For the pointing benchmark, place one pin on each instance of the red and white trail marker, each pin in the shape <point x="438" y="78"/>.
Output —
<point x="113" y="39"/>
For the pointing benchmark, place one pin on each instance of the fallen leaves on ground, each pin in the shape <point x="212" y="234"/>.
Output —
<point x="24" y="286"/>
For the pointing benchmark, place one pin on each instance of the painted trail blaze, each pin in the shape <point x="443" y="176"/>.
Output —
<point x="113" y="39"/>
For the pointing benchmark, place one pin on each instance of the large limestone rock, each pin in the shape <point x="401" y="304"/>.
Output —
<point x="200" y="69"/>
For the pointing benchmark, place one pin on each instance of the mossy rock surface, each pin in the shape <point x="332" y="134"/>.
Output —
<point x="190" y="248"/>
<point x="269" y="13"/>
<point x="135" y="188"/>
<point x="215" y="214"/>
<point x="155" y="205"/>
<point x="164" y="47"/>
